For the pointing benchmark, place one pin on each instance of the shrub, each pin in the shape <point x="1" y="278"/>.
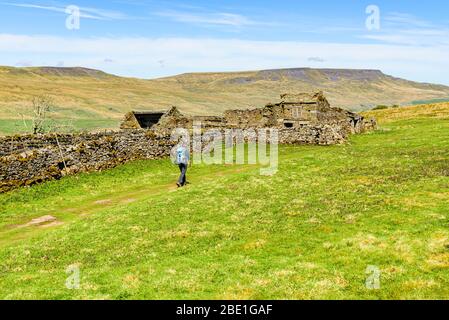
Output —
<point x="380" y="107"/>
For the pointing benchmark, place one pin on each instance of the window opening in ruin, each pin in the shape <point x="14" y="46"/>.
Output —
<point x="296" y="113"/>
<point x="61" y="165"/>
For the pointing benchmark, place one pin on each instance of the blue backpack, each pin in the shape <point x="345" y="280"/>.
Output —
<point x="181" y="155"/>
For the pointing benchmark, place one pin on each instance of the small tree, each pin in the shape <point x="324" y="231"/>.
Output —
<point x="42" y="105"/>
<point x="380" y="107"/>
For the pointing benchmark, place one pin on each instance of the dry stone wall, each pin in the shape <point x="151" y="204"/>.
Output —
<point x="317" y="135"/>
<point x="44" y="160"/>
<point x="21" y="143"/>
<point x="28" y="160"/>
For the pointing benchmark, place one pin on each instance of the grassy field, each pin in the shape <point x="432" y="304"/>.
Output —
<point x="14" y="126"/>
<point x="308" y="232"/>
<point x="81" y="93"/>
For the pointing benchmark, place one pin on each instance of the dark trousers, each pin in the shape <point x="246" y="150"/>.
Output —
<point x="182" y="178"/>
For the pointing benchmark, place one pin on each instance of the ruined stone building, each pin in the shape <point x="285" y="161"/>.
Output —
<point x="296" y="111"/>
<point x="305" y="118"/>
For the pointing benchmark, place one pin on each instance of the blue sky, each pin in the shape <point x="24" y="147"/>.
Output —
<point x="157" y="38"/>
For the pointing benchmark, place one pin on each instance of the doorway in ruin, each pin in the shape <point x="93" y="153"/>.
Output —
<point x="148" y="119"/>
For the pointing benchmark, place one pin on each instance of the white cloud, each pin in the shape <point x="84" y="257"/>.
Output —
<point x="224" y="19"/>
<point x="407" y="29"/>
<point x="316" y="59"/>
<point x="406" y="19"/>
<point x="24" y="63"/>
<point x="418" y="38"/>
<point x="141" y="56"/>
<point x="85" y="12"/>
<point x="105" y="14"/>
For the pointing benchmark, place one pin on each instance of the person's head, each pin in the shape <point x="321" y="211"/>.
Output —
<point x="183" y="144"/>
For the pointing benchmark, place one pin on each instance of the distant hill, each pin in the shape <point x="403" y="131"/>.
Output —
<point x="88" y="94"/>
<point x="351" y="89"/>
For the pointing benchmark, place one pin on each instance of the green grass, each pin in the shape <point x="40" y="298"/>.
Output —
<point x="429" y="101"/>
<point x="308" y="232"/>
<point x="15" y="126"/>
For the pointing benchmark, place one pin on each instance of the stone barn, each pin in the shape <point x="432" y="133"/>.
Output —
<point x="301" y="118"/>
<point x="168" y="119"/>
<point x="141" y="119"/>
<point x="295" y="111"/>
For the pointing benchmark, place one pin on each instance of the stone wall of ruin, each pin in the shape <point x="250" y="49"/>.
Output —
<point x="316" y="135"/>
<point x="246" y="118"/>
<point x="22" y="143"/>
<point x="44" y="160"/>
